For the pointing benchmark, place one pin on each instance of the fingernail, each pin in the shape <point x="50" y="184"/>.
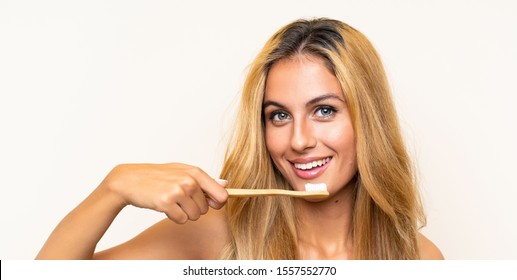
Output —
<point x="222" y="181"/>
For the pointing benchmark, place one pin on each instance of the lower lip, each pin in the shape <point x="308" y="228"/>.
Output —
<point x="311" y="173"/>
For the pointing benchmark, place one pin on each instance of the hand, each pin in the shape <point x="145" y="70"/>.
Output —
<point x="180" y="191"/>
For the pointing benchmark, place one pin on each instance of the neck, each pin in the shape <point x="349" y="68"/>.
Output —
<point x="324" y="228"/>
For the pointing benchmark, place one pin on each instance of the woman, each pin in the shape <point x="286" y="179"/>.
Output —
<point x="316" y="108"/>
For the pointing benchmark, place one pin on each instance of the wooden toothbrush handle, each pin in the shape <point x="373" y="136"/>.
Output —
<point x="275" y="192"/>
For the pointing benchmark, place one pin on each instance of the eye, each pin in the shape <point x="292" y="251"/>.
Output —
<point x="278" y="116"/>
<point x="325" y="111"/>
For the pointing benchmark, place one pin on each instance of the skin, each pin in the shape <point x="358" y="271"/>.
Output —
<point x="175" y="189"/>
<point x="306" y="119"/>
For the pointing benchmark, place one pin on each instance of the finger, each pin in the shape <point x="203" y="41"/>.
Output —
<point x="213" y="204"/>
<point x="222" y="182"/>
<point x="192" y="190"/>
<point x="190" y="208"/>
<point x="176" y="214"/>
<point x="214" y="189"/>
<point x="200" y="199"/>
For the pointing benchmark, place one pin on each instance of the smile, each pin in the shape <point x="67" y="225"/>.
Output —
<point x="311" y="170"/>
<point x="311" y="165"/>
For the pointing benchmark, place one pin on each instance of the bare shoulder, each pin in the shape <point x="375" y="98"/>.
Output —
<point x="429" y="251"/>
<point x="201" y="239"/>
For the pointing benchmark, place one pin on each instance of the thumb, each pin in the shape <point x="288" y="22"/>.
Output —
<point x="211" y="202"/>
<point x="222" y="182"/>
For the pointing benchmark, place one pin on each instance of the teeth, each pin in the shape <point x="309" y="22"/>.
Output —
<point x="310" y="165"/>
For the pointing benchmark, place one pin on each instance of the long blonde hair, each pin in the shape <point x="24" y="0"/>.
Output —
<point x="387" y="209"/>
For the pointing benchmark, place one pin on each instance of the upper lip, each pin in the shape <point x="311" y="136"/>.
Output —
<point x="307" y="159"/>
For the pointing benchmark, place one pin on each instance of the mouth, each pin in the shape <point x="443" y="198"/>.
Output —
<point x="311" y="169"/>
<point x="312" y="164"/>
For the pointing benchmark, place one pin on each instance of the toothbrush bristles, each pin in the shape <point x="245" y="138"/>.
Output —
<point x="315" y="187"/>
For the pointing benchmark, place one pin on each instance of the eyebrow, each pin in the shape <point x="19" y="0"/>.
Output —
<point x="310" y="103"/>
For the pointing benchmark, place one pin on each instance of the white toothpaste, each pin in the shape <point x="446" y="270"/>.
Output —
<point x="315" y="187"/>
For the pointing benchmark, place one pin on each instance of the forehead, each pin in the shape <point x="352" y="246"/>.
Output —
<point x="300" y="76"/>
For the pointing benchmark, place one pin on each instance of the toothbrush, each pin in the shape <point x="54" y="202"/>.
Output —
<point x="311" y="191"/>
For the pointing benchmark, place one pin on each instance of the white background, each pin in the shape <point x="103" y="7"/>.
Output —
<point x="85" y="85"/>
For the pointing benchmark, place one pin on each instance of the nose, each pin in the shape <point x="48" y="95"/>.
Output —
<point x="302" y="137"/>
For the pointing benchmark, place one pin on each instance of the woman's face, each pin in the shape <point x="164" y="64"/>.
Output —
<point x="308" y="128"/>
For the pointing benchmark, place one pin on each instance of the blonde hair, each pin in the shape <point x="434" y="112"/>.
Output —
<point x="387" y="209"/>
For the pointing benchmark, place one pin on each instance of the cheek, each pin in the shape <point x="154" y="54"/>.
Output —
<point x="274" y="142"/>
<point x="341" y="140"/>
